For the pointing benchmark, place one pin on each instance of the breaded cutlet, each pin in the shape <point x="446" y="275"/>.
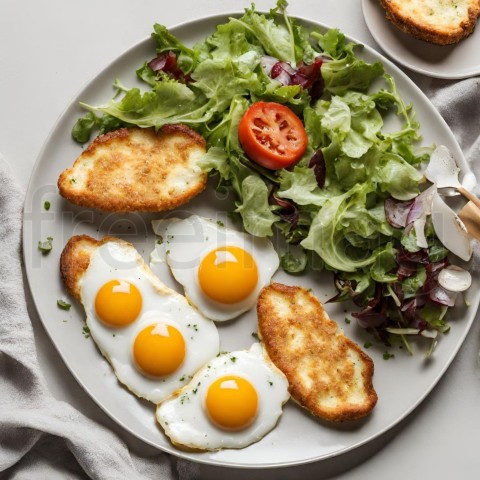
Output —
<point x="328" y="374"/>
<point x="442" y="22"/>
<point x="137" y="170"/>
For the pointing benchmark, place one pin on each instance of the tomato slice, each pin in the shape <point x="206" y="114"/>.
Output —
<point x="272" y="135"/>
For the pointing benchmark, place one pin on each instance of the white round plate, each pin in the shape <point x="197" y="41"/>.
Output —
<point x="449" y="61"/>
<point x="401" y="382"/>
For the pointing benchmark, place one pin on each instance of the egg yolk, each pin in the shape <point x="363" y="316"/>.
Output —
<point x="118" y="303"/>
<point x="228" y="275"/>
<point x="159" y="350"/>
<point x="231" y="402"/>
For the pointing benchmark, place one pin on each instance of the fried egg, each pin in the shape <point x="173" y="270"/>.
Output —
<point x="232" y="402"/>
<point x="221" y="270"/>
<point x="153" y="338"/>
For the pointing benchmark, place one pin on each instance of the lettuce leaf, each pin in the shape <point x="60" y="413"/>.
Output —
<point x="229" y="41"/>
<point x="346" y="71"/>
<point x="168" y="102"/>
<point x="384" y="264"/>
<point x="327" y="232"/>
<point x="220" y="80"/>
<point x="254" y="208"/>
<point x="301" y="186"/>
<point x="276" y="39"/>
<point x="397" y="177"/>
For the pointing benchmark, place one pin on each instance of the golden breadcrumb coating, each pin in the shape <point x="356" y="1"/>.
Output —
<point x="442" y="22"/>
<point x="137" y="170"/>
<point x="328" y="373"/>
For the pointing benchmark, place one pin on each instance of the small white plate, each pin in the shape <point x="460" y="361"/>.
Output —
<point x="461" y="60"/>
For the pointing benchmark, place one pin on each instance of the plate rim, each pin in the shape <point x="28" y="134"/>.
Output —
<point x="170" y="449"/>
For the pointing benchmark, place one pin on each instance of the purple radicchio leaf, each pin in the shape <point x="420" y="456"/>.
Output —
<point x="288" y="212"/>
<point x="376" y="311"/>
<point x="308" y="76"/>
<point x="167" y="63"/>
<point x="422" y="205"/>
<point x="317" y="163"/>
<point x="267" y="63"/>
<point x="396" y="212"/>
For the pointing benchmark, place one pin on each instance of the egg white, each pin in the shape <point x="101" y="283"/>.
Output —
<point x="186" y="242"/>
<point x="183" y="416"/>
<point x="120" y="261"/>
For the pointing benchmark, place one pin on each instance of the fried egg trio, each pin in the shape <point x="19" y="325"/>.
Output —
<point x="156" y="341"/>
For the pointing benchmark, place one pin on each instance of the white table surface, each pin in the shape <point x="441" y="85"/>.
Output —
<point x="49" y="49"/>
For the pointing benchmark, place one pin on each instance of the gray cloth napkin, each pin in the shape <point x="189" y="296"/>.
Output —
<point x="459" y="104"/>
<point x="40" y="435"/>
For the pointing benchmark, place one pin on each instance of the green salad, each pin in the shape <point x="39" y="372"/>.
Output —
<point x="347" y="204"/>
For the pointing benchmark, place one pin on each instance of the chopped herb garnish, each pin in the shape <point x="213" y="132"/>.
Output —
<point x="387" y="355"/>
<point x="86" y="331"/>
<point x="367" y="344"/>
<point x="348" y="320"/>
<point x="233" y="359"/>
<point x="72" y="180"/>
<point x="63" y="305"/>
<point x="46" y="246"/>
<point x="220" y="223"/>
<point x="255" y="335"/>
<point x="270" y="382"/>
<point x="46" y="205"/>
<point x="182" y="378"/>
